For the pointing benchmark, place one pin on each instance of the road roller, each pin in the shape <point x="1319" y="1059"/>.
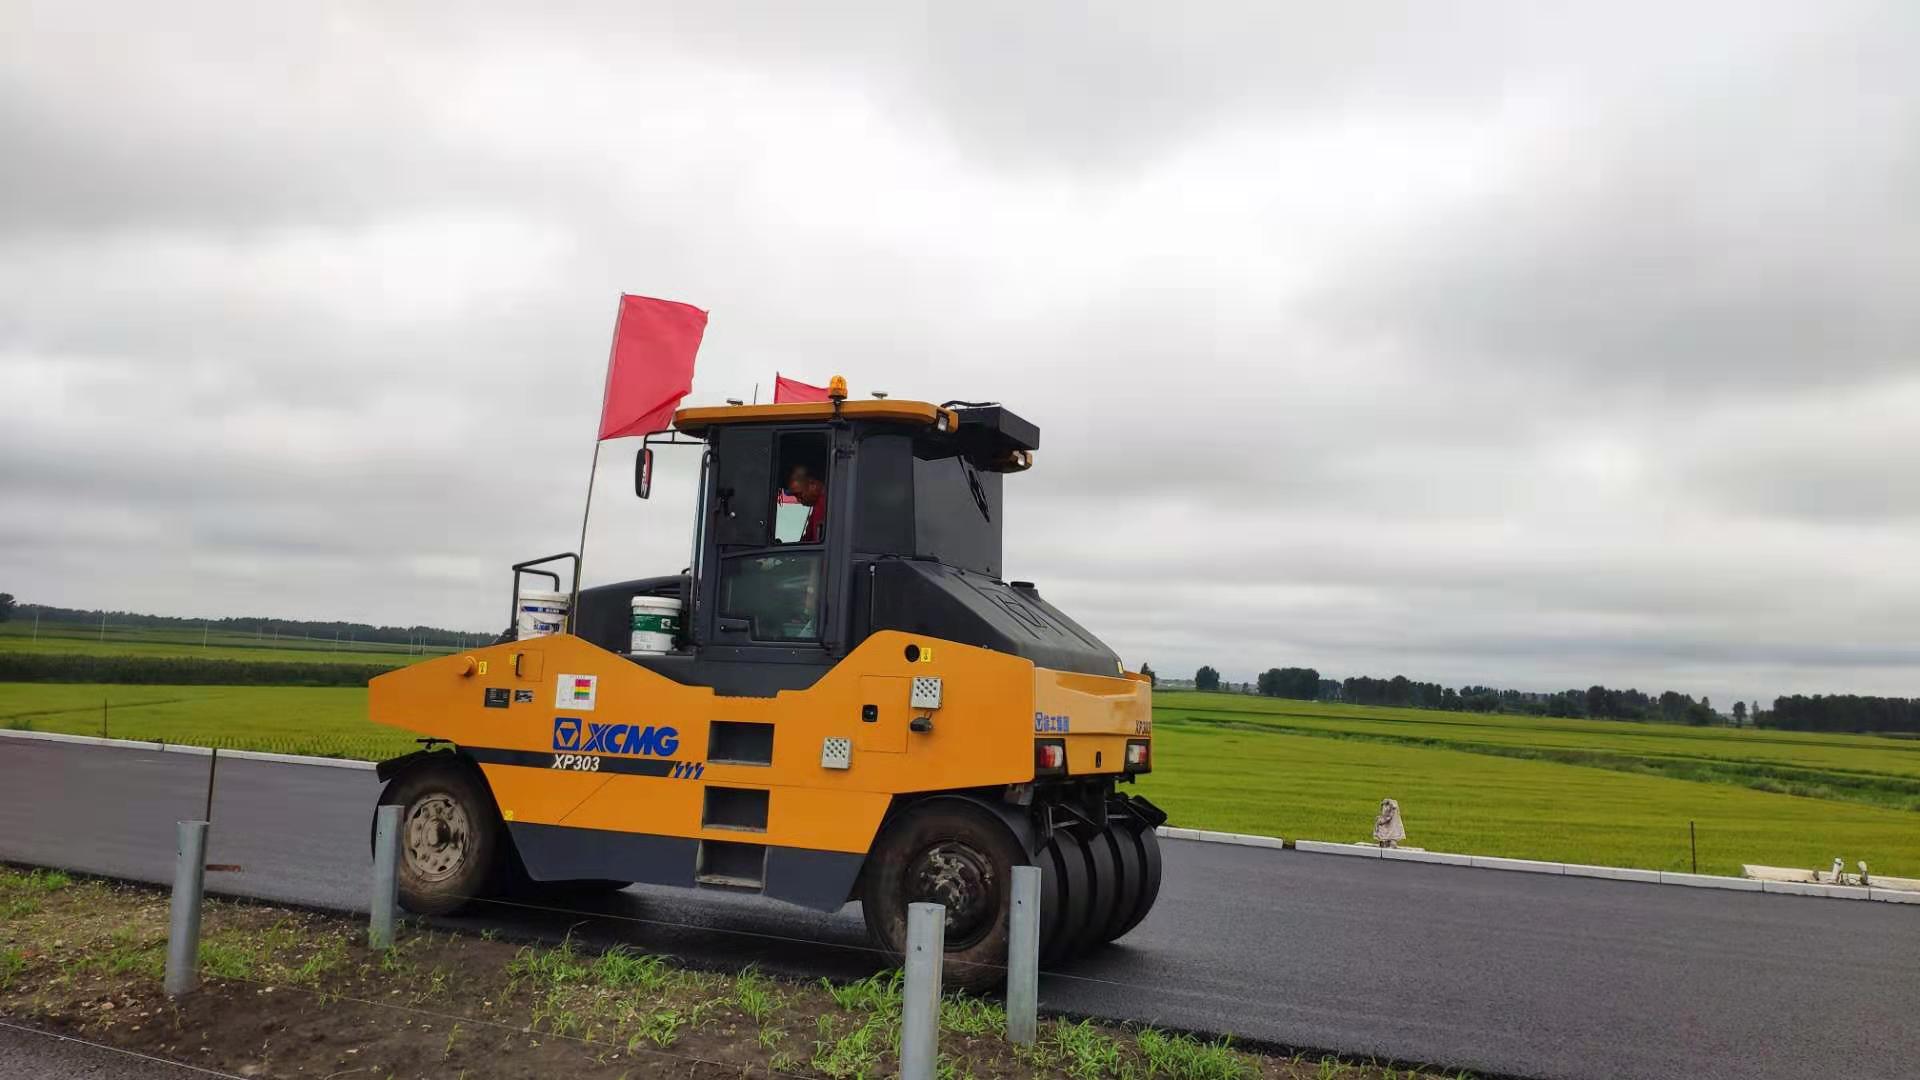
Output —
<point x="841" y="699"/>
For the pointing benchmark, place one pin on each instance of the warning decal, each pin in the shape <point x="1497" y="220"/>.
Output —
<point x="575" y="692"/>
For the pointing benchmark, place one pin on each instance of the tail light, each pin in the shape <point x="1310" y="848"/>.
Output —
<point x="1139" y="756"/>
<point x="1049" y="756"/>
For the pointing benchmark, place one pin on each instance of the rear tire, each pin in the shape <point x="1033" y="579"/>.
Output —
<point x="450" y="837"/>
<point x="1147" y="842"/>
<point x="1067" y="931"/>
<point x="950" y="852"/>
<point x="1103" y="872"/>
<point x="1131" y="864"/>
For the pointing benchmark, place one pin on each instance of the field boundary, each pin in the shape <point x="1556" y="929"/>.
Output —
<point x="182" y="748"/>
<point x="1532" y="866"/>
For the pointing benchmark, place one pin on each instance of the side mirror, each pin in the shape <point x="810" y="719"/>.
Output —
<point x="643" y="472"/>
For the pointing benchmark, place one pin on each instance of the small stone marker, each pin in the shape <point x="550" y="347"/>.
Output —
<point x="1388" y="829"/>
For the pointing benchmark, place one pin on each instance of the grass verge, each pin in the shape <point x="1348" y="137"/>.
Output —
<point x="295" y="993"/>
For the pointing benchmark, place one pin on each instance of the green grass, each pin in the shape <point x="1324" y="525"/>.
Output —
<point x="1493" y="784"/>
<point x="1563" y="790"/>
<point x="321" y="721"/>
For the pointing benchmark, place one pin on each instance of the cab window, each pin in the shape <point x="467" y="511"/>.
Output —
<point x="800" y="495"/>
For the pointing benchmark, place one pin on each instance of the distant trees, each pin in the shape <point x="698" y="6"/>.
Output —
<point x="1739" y="714"/>
<point x="1290" y="682"/>
<point x="1842" y="712"/>
<point x="6" y="606"/>
<point x="1206" y="678"/>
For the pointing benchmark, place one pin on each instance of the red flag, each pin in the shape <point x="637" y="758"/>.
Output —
<point x="651" y="366"/>
<point x="787" y="390"/>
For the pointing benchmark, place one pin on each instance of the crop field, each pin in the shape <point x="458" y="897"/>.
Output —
<point x="18" y="636"/>
<point x="1562" y="790"/>
<point x="321" y="721"/>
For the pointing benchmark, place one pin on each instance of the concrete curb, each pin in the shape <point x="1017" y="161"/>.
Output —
<point x="176" y="748"/>
<point x="1530" y="866"/>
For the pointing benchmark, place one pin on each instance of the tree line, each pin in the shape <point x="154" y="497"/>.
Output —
<point x="1836" y="712"/>
<point x="51" y="616"/>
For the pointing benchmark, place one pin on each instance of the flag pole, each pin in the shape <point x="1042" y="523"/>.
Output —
<point x="580" y="563"/>
<point x="579" y="566"/>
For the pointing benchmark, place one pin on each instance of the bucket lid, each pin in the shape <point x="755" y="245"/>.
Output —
<point x="672" y="602"/>
<point x="542" y="596"/>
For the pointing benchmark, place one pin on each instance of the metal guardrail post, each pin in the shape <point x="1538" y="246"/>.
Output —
<point x="1023" y="956"/>
<point x="920" y="1011"/>
<point x="386" y="877"/>
<point x="189" y="882"/>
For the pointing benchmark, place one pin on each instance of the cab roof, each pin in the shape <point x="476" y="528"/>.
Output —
<point x="991" y="433"/>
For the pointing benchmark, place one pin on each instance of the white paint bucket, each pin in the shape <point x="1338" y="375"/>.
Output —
<point x="656" y="622"/>
<point x="539" y="613"/>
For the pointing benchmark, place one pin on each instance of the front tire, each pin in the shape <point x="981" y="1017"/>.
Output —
<point x="451" y="837"/>
<point x="953" y="853"/>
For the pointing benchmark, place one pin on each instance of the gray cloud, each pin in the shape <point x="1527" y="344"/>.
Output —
<point x="1529" y="345"/>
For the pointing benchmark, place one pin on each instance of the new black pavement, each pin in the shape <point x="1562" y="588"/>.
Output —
<point x="1521" y="974"/>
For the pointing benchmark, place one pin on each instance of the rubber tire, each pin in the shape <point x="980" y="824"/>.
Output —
<point x="1132" y="864"/>
<point x="883" y="900"/>
<point x="1148" y="843"/>
<point x="479" y="872"/>
<point x="1069" y="930"/>
<point x="1105" y="891"/>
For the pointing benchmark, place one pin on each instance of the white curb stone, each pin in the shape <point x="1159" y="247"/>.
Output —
<point x="1172" y="833"/>
<point x="1709" y="881"/>
<point x="1894" y="896"/>
<point x="1322" y="847"/>
<point x="1615" y="873"/>
<point x="1808" y="888"/>
<point x="1442" y="857"/>
<point x="1527" y="866"/>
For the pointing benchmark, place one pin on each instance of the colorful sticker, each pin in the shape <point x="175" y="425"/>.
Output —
<point x="576" y="692"/>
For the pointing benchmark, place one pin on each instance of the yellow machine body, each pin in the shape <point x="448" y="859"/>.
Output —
<point x="570" y="735"/>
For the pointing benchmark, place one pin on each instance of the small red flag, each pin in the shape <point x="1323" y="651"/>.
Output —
<point x="787" y="390"/>
<point x="651" y="366"/>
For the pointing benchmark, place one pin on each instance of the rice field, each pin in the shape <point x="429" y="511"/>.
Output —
<point x="1562" y="790"/>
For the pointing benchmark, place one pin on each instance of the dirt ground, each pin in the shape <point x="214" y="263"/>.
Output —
<point x="295" y="994"/>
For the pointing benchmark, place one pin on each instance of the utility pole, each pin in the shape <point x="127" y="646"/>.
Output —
<point x="36" y="626"/>
<point x="103" y="626"/>
<point x="204" y="629"/>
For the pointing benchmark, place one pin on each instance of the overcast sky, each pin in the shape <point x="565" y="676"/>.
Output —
<point x="1528" y="344"/>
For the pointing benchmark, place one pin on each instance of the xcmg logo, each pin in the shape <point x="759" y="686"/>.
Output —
<point x="613" y="738"/>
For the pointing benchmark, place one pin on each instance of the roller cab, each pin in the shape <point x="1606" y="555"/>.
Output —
<point x="841" y="699"/>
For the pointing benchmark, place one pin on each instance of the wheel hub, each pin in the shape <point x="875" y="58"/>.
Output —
<point x="437" y="836"/>
<point x="960" y="878"/>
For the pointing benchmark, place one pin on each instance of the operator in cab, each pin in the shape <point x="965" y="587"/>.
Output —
<point x="811" y="491"/>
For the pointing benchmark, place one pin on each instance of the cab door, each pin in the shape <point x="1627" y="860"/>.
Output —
<point x="767" y="581"/>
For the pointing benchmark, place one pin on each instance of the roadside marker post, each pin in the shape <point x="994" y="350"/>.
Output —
<point x="189" y="884"/>
<point x="1023" y="957"/>
<point x="386" y="879"/>
<point x="920" y="1012"/>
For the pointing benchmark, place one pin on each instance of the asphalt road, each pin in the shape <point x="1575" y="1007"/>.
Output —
<point x="1504" y="973"/>
<point x="39" y="1055"/>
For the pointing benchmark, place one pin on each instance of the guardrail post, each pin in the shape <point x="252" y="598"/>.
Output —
<point x="920" y="1012"/>
<point x="386" y="880"/>
<point x="1023" y="956"/>
<point x="189" y="882"/>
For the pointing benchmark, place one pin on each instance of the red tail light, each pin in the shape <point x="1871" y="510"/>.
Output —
<point x="1049" y="756"/>
<point x="1139" y="756"/>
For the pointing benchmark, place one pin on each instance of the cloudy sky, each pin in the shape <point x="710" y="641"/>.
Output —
<point x="1530" y="344"/>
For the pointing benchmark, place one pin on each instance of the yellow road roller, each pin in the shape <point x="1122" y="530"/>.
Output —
<point x="841" y="699"/>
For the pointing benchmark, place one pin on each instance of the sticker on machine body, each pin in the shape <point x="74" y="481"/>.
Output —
<point x="1051" y="722"/>
<point x="576" y="692"/>
<point x="567" y="761"/>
